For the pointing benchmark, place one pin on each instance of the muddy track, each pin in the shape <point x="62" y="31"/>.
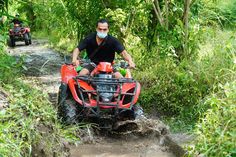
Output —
<point x="42" y="68"/>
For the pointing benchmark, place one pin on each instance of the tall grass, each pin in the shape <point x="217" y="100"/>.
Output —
<point x="216" y="130"/>
<point x="179" y="89"/>
<point x="29" y="112"/>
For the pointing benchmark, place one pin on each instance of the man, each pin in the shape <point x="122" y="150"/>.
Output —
<point x="16" y="20"/>
<point x="101" y="47"/>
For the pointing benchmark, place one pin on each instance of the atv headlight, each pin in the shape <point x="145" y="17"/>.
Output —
<point x="105" y="92"/>
<point x="106" y="97"/>
<point x="105" y="89"/>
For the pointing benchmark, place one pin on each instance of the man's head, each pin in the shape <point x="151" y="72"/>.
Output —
<point x="17" y="15"/>
<point x="102" y="28"/>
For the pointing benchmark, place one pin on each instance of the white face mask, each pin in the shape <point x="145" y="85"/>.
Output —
<point x="101" y="35"/>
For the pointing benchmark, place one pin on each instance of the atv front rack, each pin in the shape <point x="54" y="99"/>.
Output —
<point x="96" y="111"/>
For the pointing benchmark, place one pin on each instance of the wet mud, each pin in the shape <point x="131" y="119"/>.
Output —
<point x="149" y="138"/>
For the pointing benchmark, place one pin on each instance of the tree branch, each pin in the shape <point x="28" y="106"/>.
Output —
<point x="167" y="13"/>
<point x="158" y="13"/>
<point x="185" y="21"/>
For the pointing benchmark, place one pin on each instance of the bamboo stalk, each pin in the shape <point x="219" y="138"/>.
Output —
<point x="157" y="14"/>
<point x="156" y="3"/>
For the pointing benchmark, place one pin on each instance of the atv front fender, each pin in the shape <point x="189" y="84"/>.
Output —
<point x="68" y="72"/>
<point x="130" y="88"/>
<point x="75" y="93"/>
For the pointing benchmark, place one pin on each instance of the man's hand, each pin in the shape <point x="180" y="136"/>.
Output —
<point x="128" y="58"/>
<point x="75" y="63"/>
<point x="131" y="65"/>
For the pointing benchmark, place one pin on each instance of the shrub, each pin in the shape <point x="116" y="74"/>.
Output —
<point x="9" y="68"/>
<point x="216" y="131"/>
<point x="179" y="89"/>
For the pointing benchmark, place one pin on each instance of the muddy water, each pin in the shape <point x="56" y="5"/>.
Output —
<point x="121" y="148"/>
<point x="147" y="140"/>
<point x="42" y="68"/>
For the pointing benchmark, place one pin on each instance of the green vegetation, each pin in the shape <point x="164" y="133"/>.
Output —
<point x="184" y="53"/>
<point x="216" y="130"/>
<point x="19" y="122"/>
<point x="30" y="123"/>
<point x="27" y="122"/>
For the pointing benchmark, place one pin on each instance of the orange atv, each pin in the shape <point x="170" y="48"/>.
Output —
<point x="99" y="97"/>
<point x="18" y="33"/>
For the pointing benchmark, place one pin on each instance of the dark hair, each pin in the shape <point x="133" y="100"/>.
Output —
<point x="103" y="21"/>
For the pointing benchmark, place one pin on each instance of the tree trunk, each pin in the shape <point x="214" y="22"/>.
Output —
<point x="167" y="14"/>
<point x="186" y="25"/>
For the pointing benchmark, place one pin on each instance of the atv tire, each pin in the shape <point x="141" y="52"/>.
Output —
<point x="26" y="38"/>
<point x="30" y="42"/>
<point x="12" y="42"/>
<point x="67" y="110"/>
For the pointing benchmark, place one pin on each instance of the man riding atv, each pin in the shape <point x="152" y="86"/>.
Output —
<point x="101" y="47"/>
<point x="18" y="32"/>
<point x="98" y="92"/>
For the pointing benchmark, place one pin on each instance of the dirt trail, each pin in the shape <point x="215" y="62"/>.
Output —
<point x="42" y="65"/>
<point x="43" y="69"/>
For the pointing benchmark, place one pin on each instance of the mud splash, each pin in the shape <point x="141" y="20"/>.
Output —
<point x="141" y="126"/>
<point x="145" y="138"/>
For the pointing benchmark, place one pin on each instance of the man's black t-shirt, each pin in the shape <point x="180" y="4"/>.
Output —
<point x="106" y="52"/>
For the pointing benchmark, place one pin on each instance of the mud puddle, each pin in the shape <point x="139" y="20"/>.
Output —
<point x="122" y="148"/>
<point x="42" y="69"/>
<point x="149" y="139"/>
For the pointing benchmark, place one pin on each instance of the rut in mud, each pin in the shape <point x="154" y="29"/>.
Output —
<point x="150" y="138"/>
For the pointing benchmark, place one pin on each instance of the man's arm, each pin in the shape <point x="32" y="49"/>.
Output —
<point x="128" y="58"/>
<point x="82" y="45"/>
<point x="75" y="55"/>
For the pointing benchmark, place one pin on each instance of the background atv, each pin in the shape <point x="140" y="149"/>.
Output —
<point x="99" y="97"/>
<point x="18" y="33"/>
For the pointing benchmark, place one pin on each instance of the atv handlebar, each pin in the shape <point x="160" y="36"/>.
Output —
<point x="96" y="79"/>
<point x="121" y="64"/>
